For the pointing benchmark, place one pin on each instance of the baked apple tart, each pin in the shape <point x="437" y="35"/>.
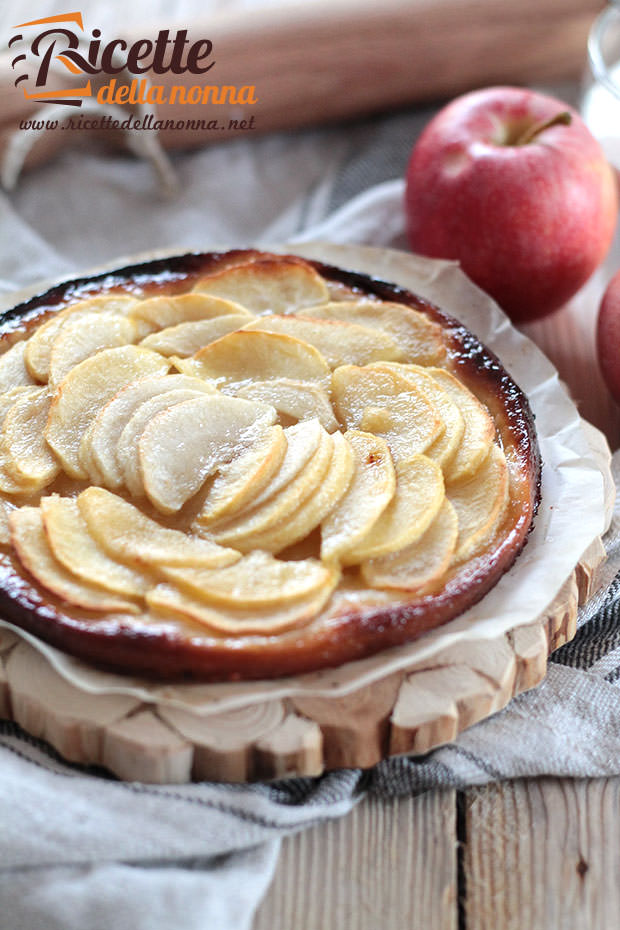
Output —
<point x="244" y="465"/>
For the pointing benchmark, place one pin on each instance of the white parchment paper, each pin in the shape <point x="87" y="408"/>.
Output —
<point x="575" y="506"/>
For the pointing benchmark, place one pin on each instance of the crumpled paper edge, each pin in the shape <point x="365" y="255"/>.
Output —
<point x="573" y="511"/>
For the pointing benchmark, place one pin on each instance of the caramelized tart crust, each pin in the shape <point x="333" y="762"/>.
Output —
<point x="361" y="595"/>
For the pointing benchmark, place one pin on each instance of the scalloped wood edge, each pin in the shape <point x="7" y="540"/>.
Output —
<point x="410" y="712"/>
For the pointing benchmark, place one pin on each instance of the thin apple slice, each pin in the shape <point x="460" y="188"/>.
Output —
<point x="480" y="504"/>
<point x="421" y="564"/>
<point x="86" y="389"/>
<point x="13" y="371"/>
<point x="74" y="547"/>
<point x="242" y="531"/>
<point x="302" y="443"/>
<point x="33" y="550"/>
<point x="180" y="447"/>
<point x="39" y="345"/>
<point x="479" y="428"/>
<point x="170" y="601"/>
<point x="310" y="514"/>
<point x="7" y="507"/>
<point x="443" y="449"/>
<point x="338" y="342"/>
<point x="8" y="398"/>
<point x="294" y="400"/>
<point x="98" y="448"/>
<point x="417" y="498"/>
<point x="164" y="311"/>
<point x="238" y="483"/>
<point x="26" y="455"/>
<point x="85" y="334"/>
<point x="129" y="536"/>
<point x="379" y="400"/>
<point x="244" y="357"/>
<point x="270" y="286"/>
<point x="10" y="482"/>
<point x="370" y="491"/>
<point x="185" y="339"/>
<point x="127" y="450"/>
<point x="255" y="582"/>
<point x="419" y="339"/>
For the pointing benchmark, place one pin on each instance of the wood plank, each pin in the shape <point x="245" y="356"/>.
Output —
<point x="387" y="864"/>
<point x="543" y="854"/>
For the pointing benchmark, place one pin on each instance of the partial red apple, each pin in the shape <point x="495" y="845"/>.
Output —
<point x="608" y="336"/>
<point x="512" y="184"/>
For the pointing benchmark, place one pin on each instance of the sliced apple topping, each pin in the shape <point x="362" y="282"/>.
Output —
<point x="479" y="428"/>
<point x="13" y="370"/>
<point x="84" y="334"/>
<point x="379" y="400"/>
<point x="187" y="338"/>
<point x="417" y="498"/>
<point x="163" y="311"/>
<point x="26" y="456"/>
<point x="443" y="449"/>
<point x="255" y="582"/>
<point x="7" y="507"/>
<point x="304" y="422"/>
<point x="74" y="547"/>
<point x="244" y="357"/>
<point x="168" y="601"/>
<point x="85" y="390"/>
<point x="270" y="286"/>
<point x="31" y="544"/>
<point x="302" y="443"/>
<point x="423" y="562"/>
<point x="239" y="482"/>
<point x="417" y="337"/>
<point x="98" y="452"/>
<point x="370" y="490"/>
<point x="127" y="451"/>
<point x="39" y="346"/>
<point x="294" y="400"/>
<point x="181" y="446"/>
<point x="480" y="504"/>
<point x="305" y="518"/>
<point x="338" y="342"/>
<point x="241" y="532"/>
<point x="129" y="536"/>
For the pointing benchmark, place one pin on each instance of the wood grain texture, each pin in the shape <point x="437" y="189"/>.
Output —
<point x="48" y="707"/>
<point x="543" y="854"/>
<point x="387" y="864"/>
<point x="224" y="743"/>
<point x="143" y="748"/>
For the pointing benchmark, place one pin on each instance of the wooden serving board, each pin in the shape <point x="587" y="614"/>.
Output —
<point x="412" y="711"/>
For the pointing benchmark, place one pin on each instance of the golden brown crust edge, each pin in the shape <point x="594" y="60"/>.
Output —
<point x="117" y="645"/>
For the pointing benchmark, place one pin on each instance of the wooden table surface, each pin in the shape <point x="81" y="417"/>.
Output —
<point x="539" y="854"/>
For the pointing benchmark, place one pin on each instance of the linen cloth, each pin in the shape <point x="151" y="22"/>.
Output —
<point x="80" y="850"/>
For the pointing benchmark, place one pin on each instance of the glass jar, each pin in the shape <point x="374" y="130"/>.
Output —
<point x="600" y="100"/>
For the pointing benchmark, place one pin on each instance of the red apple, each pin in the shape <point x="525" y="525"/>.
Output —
<point x="512" y="184"/>
<point x="608" y="336"/>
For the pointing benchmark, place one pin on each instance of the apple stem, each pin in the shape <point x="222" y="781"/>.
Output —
<point x="560" y="119"/>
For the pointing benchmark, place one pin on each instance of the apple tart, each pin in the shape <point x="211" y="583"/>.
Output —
<point x="245" y="465"/>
